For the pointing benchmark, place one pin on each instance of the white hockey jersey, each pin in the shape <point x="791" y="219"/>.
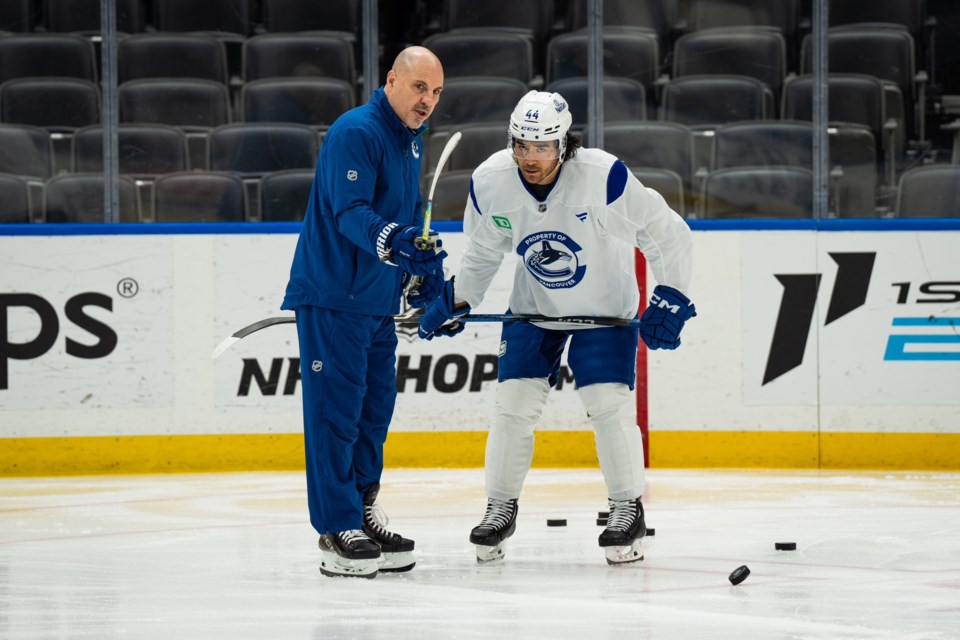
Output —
<point x="574" y="251"/>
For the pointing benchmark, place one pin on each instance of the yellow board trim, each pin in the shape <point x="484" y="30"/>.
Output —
<point x="465" y="449"/>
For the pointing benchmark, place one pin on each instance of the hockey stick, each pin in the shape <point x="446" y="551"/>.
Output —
<point x="428" y="212"/>
<point x="413" y="319"/>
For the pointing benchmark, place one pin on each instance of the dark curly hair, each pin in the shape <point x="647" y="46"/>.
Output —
<point x="573" y="145"/>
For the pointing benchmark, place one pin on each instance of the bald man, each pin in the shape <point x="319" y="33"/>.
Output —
<point x="358" y="245"/>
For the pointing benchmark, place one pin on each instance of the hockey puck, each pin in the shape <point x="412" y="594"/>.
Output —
<point x="739" y="575"/>
<point x="603" y="514"/>
<point x="559" y="522"/>
<point x="785" y="546"/>
<point x="602" y="522"/>
<point x="650" y="532"/>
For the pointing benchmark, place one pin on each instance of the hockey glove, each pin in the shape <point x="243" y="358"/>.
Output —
<point x="441" y="311"/>
<point x="398" y="246"/>
<point x="424" y="289"/>
<point x="664" y="317"/>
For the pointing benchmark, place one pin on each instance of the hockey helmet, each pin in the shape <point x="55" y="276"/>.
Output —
<point x="541" y="117"/>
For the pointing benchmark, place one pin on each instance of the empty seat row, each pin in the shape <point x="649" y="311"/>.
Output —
<point x="174" y="197"/>
<point x="151" y="149"/>
<point x="64" y="104"/>
<point x="778" y="192"/>
<point x="672" y="148"/>
<point x="241" y="17"/>
<point x="180" y="55"/>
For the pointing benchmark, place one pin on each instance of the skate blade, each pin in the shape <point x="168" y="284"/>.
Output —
<point x="336" y="566"/>
<point x="396" y="562"/>
<point x="624" y="554"/>
<point x="490" y="554"/>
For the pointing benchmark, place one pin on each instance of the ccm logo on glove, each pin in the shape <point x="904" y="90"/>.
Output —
<point x="663" y="319"/>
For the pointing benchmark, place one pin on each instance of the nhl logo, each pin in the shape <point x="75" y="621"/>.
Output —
<point x="316" y="366"/>
<point x="352" y="175"/>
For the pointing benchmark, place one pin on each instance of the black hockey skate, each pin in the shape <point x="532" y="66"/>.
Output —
<point x="396" y="552"/>
<point x="625" y="529"/>
<point x="349" y="553"/>
<point x="499" y="522"/>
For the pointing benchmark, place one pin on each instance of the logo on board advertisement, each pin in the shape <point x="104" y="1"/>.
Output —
<point x="85" y="337"/>
<point x="853" y="280"/>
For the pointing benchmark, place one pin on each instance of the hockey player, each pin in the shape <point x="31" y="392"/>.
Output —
<point x="359" y="242"/>
<point x="573" y="216"/>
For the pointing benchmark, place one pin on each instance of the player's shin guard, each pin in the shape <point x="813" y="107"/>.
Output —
<point x="509" y="449"/>
<point x="396" y="552"/>
<point x="620" y="452"/>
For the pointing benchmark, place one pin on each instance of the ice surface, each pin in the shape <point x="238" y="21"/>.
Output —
<point x="233" y="556"/>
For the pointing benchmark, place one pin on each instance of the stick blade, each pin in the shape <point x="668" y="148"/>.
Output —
<point x="223" y="346"/>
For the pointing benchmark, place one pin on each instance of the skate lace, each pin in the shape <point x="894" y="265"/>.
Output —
<point x="346" y="537"/>
<point x="498" y="513"/>
<point x="622" y="514"/>
<point x="376" y="519"/>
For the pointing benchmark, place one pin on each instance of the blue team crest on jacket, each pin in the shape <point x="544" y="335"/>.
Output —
<point x="551" y="257"/>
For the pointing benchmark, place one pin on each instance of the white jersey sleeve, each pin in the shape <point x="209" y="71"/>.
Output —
<point x="641" y="217"/>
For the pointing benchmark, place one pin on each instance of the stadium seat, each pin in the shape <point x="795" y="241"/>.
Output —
<point x="276" y="55"/>
<point x="474" y="100"/>
<point x="498" y="54"/>
<point x="14" y="200"/>
<point x="853" y="152"/>
<point x="627" y="53"/>
<point x="478" y="142"/>
<point x="25" y="151"/>
<point x="78" y="197"/>
<point x="215" y="16"/>
<point x="907" y="14"/>
<point x="189" y="103"/>
<point x="252" y="150"/>
<point x="757" y="53"/>
<point x="311" y="101"/>
<point x="714" y="100"/>
<point x="450" y="196"/>
<point x="198" y="196"/>
<point x="856" y="99"/>
<point x="763" y="143"/>
<point x="623" y="99"/>
<point x="32" y="55"/>
<point x="931" y="191"/>
<point x="144" y="150"/>
<point x="16" y="16"/>
<point x="281" y="16"/>
<point x="661" y="16"/>
<point x="783" y="15"/>
<point x="83" y="16"/>
<point x="171" y="55"/>
<point x="284" y="195"/>
<point x="884" y="53"/>
<point x="57" y="104"/>
<point x="758" y="192"/>
<point x="534" y="17"/>
<point x="665" y="182"/>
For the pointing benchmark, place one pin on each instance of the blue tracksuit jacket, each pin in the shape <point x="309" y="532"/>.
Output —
<point x="367" y="175"/>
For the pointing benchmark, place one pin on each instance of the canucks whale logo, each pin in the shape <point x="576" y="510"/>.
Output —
<point x="551" y="257"/>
